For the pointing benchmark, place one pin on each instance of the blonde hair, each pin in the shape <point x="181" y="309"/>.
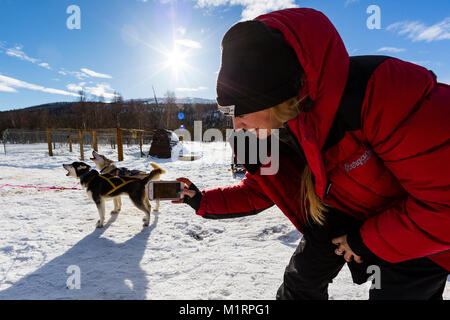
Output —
<point x="313" y="207"/>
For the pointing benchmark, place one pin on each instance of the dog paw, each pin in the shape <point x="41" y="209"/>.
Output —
<point x="146" y="223"/>
<point x="99" y="224"/>
<point x="115" y="212"/>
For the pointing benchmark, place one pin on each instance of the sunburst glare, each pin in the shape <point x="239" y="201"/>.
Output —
<point x="176" y="61"/>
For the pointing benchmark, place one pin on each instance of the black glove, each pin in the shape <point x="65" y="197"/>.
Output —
<point x="355" y="243"/>
<point x="193" y="202"/>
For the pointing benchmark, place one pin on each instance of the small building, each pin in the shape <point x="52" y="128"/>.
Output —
<point x="162" y="143"/>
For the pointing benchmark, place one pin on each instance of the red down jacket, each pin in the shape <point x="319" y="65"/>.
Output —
<point x="392" y="172"/>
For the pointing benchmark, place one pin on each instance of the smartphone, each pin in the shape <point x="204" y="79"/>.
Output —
<point x="165" y="190"/>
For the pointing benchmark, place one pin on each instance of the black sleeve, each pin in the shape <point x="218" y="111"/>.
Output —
<point x="193" y="202"/>
<point x="357" y="245"/>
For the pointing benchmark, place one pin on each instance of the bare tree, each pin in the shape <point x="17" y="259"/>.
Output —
<point x="116" y="106"/>
<point x="80" y="110"/>
<point x="170" y="108"/>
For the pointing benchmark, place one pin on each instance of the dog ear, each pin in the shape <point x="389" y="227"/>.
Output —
<point x="84" y="166"/>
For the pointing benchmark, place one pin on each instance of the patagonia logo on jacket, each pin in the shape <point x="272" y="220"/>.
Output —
<point x="360" y="161"/>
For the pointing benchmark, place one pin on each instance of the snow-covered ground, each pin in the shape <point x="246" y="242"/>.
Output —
<point x="179" y="256"/>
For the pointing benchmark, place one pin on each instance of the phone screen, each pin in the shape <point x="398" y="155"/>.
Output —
<point x="166" y="190"/>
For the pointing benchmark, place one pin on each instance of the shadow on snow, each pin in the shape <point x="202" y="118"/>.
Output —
<point x="109" y="270"/>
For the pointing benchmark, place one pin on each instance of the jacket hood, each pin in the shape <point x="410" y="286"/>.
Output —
<point x="322" y="54"/>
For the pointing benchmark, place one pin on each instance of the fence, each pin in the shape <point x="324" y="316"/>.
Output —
<point x="67" y="136"/>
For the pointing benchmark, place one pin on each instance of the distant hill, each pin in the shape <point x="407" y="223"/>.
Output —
<point x="169" y="113"/>
<point x="186" y="100"/>
<point x="52" y="105"/>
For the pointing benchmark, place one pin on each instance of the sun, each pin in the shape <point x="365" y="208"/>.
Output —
<point x="176" y="60"/>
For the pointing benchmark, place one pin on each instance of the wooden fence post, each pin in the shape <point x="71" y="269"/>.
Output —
<point x="49" y="142"/>
<point x="140" y="141"/>
<point x="70" y="143"/>
<point x="80" y="136"/>
<point x="119" y="144"/>
<point x="94" y="138"/>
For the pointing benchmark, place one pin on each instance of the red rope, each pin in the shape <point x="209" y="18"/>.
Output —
<point x="40" y="188"/>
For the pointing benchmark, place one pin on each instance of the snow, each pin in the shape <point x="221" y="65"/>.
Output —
<point x="179" y="256"/>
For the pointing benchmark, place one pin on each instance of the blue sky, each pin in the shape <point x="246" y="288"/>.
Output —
<point x="129" y="46"/>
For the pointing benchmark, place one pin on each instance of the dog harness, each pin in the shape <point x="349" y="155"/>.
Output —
<point x="122" y="172"/>
<point x="115" y="187"/>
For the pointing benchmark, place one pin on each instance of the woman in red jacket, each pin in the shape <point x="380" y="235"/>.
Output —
<point x="364" y="153"/>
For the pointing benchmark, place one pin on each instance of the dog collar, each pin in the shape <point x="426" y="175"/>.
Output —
<point x="89" y="181"/>
<point x="82" y="176"/>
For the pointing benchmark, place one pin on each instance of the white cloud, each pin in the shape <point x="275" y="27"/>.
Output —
<point x="391" y="49"/>
<point x="6" y="88"/>
<point x="77" y="74"/>
<point x="11" y="83"/>
<point x="251" y="8"/>
<point x="17" y="52"/>
<point x="44" y="65"/>
<point x="99" y="90"/>
<point x="350" y="2"/>
<point x="418" y="31"/>
<point x="74" y="87"/>
<point x="188" y="43"/>
<point x="95" y="74"/>
<point x="192" y="89"/>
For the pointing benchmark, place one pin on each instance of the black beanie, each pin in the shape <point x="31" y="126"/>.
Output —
<point x="258" y="69"/>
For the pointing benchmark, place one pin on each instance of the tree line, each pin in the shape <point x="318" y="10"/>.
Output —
<point x="130" y="114"/>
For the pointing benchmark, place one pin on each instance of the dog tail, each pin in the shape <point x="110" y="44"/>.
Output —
<point x="156" y="167"/>
<point x="155" y="173"/>
<point x="151" y="175"/>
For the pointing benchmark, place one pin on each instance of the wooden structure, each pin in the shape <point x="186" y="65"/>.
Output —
<point x="118" y="132"/>
<point x="188" y="157"/>
<point x="49" y="142"/>
<point x="161" y="147"/>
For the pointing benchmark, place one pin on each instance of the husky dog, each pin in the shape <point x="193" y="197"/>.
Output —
<point x="102" y="187"/>
<point x="105" y="165"/>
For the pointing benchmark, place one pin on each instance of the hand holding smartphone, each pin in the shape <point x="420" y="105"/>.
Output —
<point x="187" y="191"/>
<point x="165" y="190"/>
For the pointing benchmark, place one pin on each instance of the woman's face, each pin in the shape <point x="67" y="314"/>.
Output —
<point x="255" y="121"/>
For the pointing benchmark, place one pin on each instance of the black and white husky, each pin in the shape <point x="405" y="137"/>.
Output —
<point x="105" y="165"/>
<point x="102" y="187"/>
